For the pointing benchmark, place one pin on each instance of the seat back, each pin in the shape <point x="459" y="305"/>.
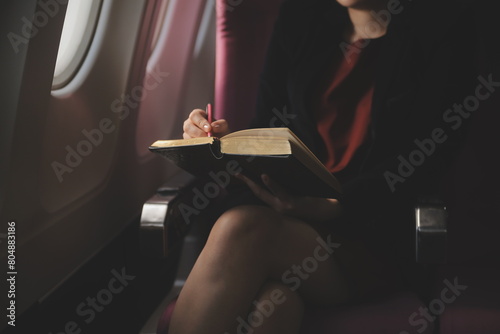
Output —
<point x="472" y="184"/>
<point x="243" y="31"/>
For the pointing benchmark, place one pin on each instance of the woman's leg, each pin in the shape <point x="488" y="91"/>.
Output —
<point x="247" y="247"/>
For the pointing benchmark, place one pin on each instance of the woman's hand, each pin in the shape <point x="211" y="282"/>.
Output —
<point x="312" y="209"/>
<point x="197" y="126"/>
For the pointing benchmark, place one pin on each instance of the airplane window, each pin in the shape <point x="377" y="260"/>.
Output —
<point x="79" y="25"/>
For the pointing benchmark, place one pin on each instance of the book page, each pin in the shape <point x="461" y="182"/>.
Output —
<point x="183" y="142"/>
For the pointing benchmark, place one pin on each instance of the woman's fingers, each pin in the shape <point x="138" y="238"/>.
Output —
<point x="276" y="197"/>
<point x="260" y="192"/>
<point x="276" y="189"/>
<point x="199" y="118"/>
<point x="191" y="130"/>
<point x="197" y="125"/>
<point x="220" y="128"/>
<point x="306" y="208"/>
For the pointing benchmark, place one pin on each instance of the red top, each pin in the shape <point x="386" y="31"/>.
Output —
<point x="345" y="97"/>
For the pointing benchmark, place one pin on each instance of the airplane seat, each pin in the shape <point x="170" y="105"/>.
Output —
<point x="243" y="32"/>
<point x="466" y="299"/>
<point x="467" y="288"/>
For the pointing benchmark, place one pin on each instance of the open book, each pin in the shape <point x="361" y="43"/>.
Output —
<point x="277" y="152"/>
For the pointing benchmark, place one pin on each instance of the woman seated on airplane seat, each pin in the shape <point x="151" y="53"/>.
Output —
<point x="366" y="85"/>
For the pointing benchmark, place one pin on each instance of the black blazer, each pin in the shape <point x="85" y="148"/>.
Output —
<point x="427" y="63"/>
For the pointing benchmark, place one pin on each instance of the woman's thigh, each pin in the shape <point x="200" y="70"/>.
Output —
<point x="324" y="268"/>
<point x="295" y="253"/>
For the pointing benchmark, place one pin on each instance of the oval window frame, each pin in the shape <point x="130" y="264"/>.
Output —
<point x="74" y="52"/>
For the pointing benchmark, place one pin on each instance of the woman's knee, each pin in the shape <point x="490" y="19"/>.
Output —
<point x="256" y="224"/>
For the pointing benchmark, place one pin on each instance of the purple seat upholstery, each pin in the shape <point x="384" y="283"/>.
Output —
<point x="164" y="321"/>
<point x="243" y="33"/>
<point x="395" y="314"/>
<point x="388" y="315"/>
<point x="471" y="300"/>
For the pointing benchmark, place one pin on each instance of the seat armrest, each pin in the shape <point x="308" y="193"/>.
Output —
<point x="431" y="220"/>
<point x="161" y="225"/>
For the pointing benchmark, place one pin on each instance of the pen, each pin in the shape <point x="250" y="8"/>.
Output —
<point x="208" y="110"/>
